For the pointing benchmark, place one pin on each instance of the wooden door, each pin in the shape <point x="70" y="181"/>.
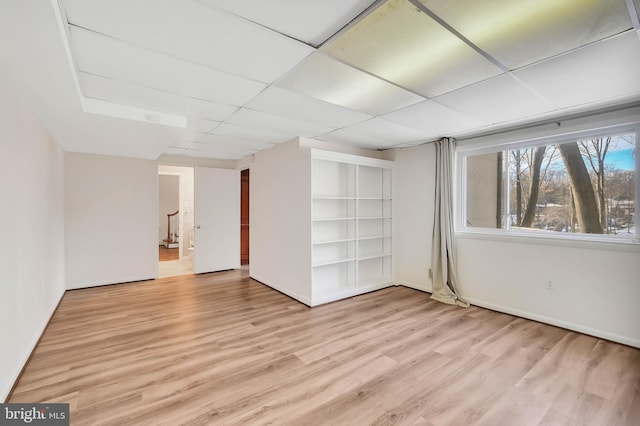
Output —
<point x="244" y="217"/>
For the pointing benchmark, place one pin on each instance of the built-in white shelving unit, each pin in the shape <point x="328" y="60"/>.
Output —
<point x="351" y="225"/>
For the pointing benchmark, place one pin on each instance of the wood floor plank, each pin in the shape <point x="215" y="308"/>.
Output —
<point x="224" y="349"/>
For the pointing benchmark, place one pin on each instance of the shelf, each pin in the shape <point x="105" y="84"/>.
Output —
<point x="329" y="219"/>
<point x="374" y="256"/>
<point x="331" y="197"/>
<point x="351" y="212"/>
<point x="374" y="237"/>
<point x="333" y="262"/>
<point x="338" y="240"/>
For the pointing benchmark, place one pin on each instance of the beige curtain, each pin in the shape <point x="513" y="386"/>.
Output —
<point x="443" y="262"/>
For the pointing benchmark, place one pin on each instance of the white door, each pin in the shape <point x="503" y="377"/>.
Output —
<point x="217" y="219"/>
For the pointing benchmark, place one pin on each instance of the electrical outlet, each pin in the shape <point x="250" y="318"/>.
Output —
<point x="549" y="285"/>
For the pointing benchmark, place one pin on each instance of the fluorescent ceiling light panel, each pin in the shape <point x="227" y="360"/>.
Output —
<point x="521" y="32"/>
<point x="497" y="100"/>
<point x="595" y="73"/>
<point x="310" y="21"/>
<point x="324" y="78"/>
<point x="431" y="117"/>
<point x="99" y="87"/>
<point x="292" y="105"/>
<point x="401" y="44"/>
<point x="192" y="32"/>
<point x="104" y="56"/>
<point x="96" y="106"/>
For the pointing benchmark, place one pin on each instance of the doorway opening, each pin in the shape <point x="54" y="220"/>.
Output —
<point x="244" y="217"/>
<point x="175" y="221"/>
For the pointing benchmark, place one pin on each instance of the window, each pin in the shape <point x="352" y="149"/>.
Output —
<point x="564" y="188"/>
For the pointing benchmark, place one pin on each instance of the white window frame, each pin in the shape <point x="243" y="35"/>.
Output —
<point x="565" y="239"/>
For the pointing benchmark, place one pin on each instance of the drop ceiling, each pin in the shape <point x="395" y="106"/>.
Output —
<point x="230" y="78"/>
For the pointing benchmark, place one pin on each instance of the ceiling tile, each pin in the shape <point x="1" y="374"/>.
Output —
<point x="239" y="132"/>
<point x="434" y="118"/>
<point x="192" y="32"/>
<point x="376" y="133"/>
<point x="292" y="105"/>
<point x="259" y="120"/>
<point x="519" y="33"/>
<point x="326" y="79"/>
<point x="94" y="86"/>
<point x="355" y="139"/>
<point x="219" y="154"/>
<point x="497" y="100"/>
<point x="403" y="45"/>
<point x="309" y="21"/>
<point x="598" y="72"/>
<point x="233" y="143"/>
<point x="172" y="150"/>
<point x="202" y="126"/>
<point x="104" y="56"/>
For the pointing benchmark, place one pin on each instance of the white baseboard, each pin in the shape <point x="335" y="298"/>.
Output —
<point x="291" y="294"/>
<point x="558" y="323"/>
<point x="32" y="347"/>
<point x="110" y="282"/>
<point x="425" y="288"/>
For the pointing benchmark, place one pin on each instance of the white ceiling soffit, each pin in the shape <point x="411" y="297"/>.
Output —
<point x="521" y="32"/>
<point x="310" y="21"/>
<point x="292" y="105"/>
<point x="192" y="32"/>
<point x="598" y="72"/>
<point x="401" y="44"/>
<point x="324" y="78"/>
<point x="108" y="57"/>
<point x="434" y="118"/>
<point x="94" y="86"/>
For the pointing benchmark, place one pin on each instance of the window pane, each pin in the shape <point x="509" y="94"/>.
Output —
<point x="580" y="187"/>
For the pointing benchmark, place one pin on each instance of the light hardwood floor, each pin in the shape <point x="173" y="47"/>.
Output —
<point x="166" y="254"/>
<point x="223" y="349"/>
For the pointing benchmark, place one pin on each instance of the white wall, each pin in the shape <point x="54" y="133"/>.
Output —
<point x="168" y="202"/>
<point x="280" y="209"/>
<point x="596" y="290"/>
<point x="413" y="203"/>
<point x="596" y="286"/>
<point x="111" y="219"/>
<point x="32" y="228"/>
